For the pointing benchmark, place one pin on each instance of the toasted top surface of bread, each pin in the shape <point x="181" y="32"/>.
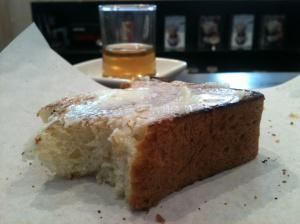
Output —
<point x="148" y="101"/>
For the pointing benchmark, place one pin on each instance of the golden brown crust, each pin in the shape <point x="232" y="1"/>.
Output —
<point x="182" y="150"/>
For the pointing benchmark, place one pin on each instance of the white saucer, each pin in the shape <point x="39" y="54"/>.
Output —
<point x="166" y="69"/>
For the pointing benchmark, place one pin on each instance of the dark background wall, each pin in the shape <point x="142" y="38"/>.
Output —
<point x="72" y="29"/>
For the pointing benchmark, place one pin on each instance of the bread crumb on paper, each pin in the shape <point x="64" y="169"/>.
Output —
<point x="159" y="219"/>
<point x="294" y="115"/>
<point x="283" y="171"/>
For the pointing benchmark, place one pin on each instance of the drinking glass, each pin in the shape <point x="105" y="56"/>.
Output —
<point x="128" y="36"/>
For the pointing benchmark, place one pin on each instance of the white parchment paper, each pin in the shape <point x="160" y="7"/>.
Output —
<point x="265" y="190"/>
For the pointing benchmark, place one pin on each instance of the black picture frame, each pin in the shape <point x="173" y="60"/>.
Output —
<point x="242" y="32"/>
<point x="272" y="31"/>
<point x="175" y="33"/>
<point x="210" y="32"/>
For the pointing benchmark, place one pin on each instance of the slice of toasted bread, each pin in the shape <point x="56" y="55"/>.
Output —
<point x="152" y="138"/>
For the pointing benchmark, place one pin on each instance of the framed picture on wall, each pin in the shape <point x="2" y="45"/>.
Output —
<point x="242" y="32"/>
<point x="210" y="34"/>
<point x="174" y="39"/>
<point x="272" y="31"/>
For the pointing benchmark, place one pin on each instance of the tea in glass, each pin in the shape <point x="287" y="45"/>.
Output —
<point x="128" y="34"/>
<point x="128" y="60"/>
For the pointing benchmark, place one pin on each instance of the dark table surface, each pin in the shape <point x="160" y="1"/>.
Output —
<point x="243" y="80"/>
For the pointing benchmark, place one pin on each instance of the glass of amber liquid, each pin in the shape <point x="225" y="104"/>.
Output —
<point x="128" y="37"/>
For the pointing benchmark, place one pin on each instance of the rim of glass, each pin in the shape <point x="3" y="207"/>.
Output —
<point x="127" y="7"/>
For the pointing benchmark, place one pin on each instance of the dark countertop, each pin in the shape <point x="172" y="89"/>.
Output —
<point x="243" y="80"/>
